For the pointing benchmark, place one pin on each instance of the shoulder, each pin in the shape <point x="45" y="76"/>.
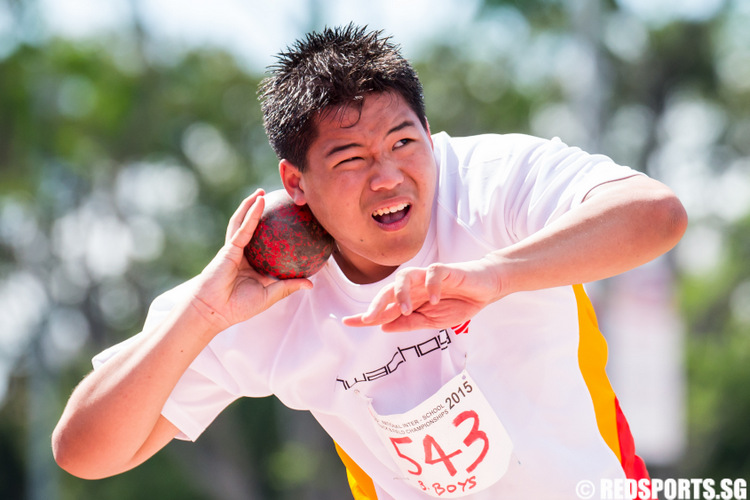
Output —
<point x="475" y="170"/>
<point x="518" y="163"/>
<point x="506" y="186"/>
<point x="475" y="150"/>
<point x="473" y="174"/>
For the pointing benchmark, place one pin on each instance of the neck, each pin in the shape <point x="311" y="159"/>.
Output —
<point x="362" y="272"/>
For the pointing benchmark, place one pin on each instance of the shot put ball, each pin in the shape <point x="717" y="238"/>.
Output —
<point x="288" y="242"/>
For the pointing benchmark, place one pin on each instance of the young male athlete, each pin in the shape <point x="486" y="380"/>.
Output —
<point x="447" y="346"/>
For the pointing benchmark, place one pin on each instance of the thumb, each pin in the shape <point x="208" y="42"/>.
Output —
<point x="284" y="288"/>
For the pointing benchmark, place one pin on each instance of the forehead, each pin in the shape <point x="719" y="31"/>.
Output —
<point x="373" y="112"/>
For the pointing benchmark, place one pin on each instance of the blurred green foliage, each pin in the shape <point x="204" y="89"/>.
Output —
<point x="119" y="168"/>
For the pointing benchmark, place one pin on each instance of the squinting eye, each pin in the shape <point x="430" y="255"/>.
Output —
<point x="402" y="142"/>
<point x="348" y="160"/>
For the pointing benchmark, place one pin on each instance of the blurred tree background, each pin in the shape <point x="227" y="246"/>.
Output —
<point x="122" y="158"/>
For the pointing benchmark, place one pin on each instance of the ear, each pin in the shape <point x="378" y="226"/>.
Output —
<point x="291" y="178"/>
<point x="429" y="134"/>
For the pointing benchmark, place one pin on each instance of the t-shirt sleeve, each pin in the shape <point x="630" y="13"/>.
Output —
<point x="203" y="391"/>
<point x="550" y="179"/>
<point x="199" y="397"/>
<point x="517" y="184"/>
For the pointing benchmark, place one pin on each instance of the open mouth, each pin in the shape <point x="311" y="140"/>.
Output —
<point x="389" y="215"/>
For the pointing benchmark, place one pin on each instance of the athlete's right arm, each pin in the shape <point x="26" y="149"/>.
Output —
<point x="112" y="421"/>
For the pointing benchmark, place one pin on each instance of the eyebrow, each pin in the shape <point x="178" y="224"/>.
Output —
<point x="404" y="124"/>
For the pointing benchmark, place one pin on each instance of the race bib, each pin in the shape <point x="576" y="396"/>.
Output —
<point x="452" y="444"/>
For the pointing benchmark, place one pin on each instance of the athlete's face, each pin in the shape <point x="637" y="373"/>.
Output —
<point x="370" y="181"/>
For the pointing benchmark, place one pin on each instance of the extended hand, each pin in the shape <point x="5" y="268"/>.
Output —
<point x="229" y="290"/>
<point x="438" y="296"/>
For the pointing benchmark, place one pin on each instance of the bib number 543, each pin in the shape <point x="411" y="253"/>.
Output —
<point x="435" y="454"/>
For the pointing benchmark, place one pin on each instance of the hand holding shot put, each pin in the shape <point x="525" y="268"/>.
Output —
<point x="230" y="290"/>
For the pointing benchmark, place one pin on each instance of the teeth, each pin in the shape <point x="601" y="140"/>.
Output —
<point x="391" y="210"/>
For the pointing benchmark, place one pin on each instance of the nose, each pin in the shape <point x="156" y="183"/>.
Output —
<point x="386" y="175"/>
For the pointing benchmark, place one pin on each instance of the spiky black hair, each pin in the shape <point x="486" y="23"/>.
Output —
<point x="331" y="69"/>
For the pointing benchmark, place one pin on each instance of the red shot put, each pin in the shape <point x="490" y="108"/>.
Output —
<point x="288" y="242"/>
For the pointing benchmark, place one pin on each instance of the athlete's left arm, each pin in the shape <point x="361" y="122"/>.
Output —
<point x="620" y="225"/>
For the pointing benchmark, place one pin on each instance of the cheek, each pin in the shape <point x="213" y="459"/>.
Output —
<point x="339" y="214"/>
<point x="425" y="177"/>
<point x="422" y="163"/>
<point x="336" y="195"/>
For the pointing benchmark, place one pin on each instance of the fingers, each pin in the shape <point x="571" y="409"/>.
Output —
<point x="411" y="289"/>
<point x="245" y="233"/>
<point x="417" y="286"/>
<point x="447" y="313"/>
<point x="388" y="314"/>
<point x="433" y="281"/>
<point x="402" y="292"/>
<point x="382" y="301"/>
<point x="250" y="209"/>
<point x="406" y="324"/>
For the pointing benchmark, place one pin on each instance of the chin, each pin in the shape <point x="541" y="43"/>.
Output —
<point x="397" y="259"/>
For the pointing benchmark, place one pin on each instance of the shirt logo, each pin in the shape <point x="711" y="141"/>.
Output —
<point x="439" y="342"/>
<point x="402" y="355"/>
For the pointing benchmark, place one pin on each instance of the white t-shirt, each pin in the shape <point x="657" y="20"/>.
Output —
<point x="535" y="358"/>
